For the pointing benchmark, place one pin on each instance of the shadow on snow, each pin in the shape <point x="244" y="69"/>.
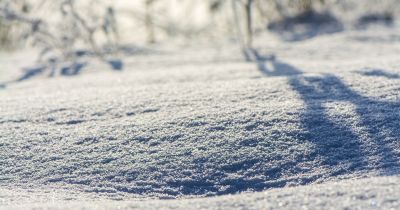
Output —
<point x="306" y="25"/>
<point x="378" y="73"/>
<point x="372" y="141"/>
<point x="54" y="66"/>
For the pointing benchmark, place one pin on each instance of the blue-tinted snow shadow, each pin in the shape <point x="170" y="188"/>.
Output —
<point x="31" y="72"/>
<point x="378" y="73"/>
<point x="367" y="20"/>
<point x="28" y="74"/>
<point x="53" y="66"/>
<point x="73" y="69"/>
<point x="338" y="146"/>
<point x="269" y="65"/>
<point x="310" y="24"/>
<point x="306" y="25"/>
<point x="50" y="68"/>
<point x="116" y="64"/>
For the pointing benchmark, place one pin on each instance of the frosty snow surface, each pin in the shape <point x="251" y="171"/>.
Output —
<point x="201" y="122"/>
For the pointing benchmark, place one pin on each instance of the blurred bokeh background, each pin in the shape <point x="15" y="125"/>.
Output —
<point x="155" y="21"/>
<point x="63" y="30"/>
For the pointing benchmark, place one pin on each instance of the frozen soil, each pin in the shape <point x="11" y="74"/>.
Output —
<point x="202" y="122"/>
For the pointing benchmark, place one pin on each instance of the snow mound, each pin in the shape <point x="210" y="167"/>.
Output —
<point x="203" y="123"/>
<point x="371" y="193"/>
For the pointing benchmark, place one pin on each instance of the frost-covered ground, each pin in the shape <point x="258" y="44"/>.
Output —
<point x="372" y="193"/>
<point x="202" y="122"/>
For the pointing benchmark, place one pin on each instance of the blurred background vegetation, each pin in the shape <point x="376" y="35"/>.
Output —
<point x="151" y="21"/>
<point x="66" y="29"/>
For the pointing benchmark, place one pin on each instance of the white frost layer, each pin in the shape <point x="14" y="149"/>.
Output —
<point x="202" y="122"/>
<point x="371" y="193"/>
